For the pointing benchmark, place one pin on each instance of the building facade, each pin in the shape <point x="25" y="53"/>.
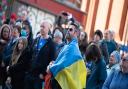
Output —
<point x="92" y="14"/>
<point x="107" y="14"/>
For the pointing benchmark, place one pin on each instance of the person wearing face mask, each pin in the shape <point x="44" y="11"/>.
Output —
<point x="23" y="32"/>
<point x="118" y="78"/>
<point x="27" y="32"/>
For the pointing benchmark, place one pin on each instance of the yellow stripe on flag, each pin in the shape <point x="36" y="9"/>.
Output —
<point x="73" y="76"/>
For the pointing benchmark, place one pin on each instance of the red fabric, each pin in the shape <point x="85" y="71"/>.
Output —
<point x="13" y="16"/>
<point x="47" y="84"/>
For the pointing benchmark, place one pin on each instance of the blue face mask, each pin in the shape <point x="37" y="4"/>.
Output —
<point x="23" y="33"/>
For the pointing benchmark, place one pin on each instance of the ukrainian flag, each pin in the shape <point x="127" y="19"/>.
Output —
<point x="69" y="68"/>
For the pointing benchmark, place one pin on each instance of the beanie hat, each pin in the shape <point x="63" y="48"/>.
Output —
<point x="117" y="56"/>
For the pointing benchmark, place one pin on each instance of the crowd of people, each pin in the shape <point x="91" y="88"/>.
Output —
<point x="62" y="59"/>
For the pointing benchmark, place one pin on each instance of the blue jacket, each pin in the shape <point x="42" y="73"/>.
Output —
<point x="98" y="75"/>
<point x="116" y="80"/>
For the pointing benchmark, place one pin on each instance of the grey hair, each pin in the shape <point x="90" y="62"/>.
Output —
<point x="58" y="34"/>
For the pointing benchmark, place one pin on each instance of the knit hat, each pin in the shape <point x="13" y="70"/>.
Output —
<point x="117" y="56"/>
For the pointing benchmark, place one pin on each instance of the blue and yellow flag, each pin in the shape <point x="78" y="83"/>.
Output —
<point x="69" y="68"/>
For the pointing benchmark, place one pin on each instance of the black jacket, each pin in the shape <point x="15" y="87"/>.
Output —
<point x="45" y="56"/>
<point x="17" y="71"/>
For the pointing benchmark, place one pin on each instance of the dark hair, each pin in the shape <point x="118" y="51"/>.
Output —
<point x="30" y="36"/>
<point x="83" y="43"/>
<point x="86" y="36"/>
<point x="26" y="22"/>
<point x="61" y="20"/>
<point x="18" y="28"/>
<point x="93" y="52"/>
<point x="75" y="24"/>
<point x="99" y="33"/>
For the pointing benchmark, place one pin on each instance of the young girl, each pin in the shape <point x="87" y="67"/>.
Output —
<point x="18" y="64"/>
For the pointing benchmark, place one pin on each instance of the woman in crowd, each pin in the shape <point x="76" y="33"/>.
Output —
<point x="83" y="42"/>
<point x="98" y="72"/>
<point x="58" y="36"/>
<point x="98" y="38"/>
<point x="28" y="33"/>
<point x="113" y="61"/>
<point x="118" y="79"/>
<point x="58" y="29"/>
<point x="5" y="35"/>
<point x="18" y="64"/>
<point x="9" y="48"/>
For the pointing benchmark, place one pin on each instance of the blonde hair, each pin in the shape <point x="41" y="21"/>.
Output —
<point x="16" y="52"/>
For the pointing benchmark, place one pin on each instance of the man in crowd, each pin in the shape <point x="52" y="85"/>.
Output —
<point x="111" y="46"/>
<point x="69" y="70"/>
<point x="43" y="54"/>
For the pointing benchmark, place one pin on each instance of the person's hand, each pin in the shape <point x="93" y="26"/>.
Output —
<point x="51" y="63"/>
<point x="7" y="69"/>
<point x="88" y="71"/>
<point x="48" y="67"/>
<point x="48" y="71"/>
<point x="8" y="81"/>
<point x="41" y="76"/>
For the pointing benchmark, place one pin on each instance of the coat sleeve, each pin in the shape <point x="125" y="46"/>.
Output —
<point x="102" y="74"/>
<point x="107" y="82"/>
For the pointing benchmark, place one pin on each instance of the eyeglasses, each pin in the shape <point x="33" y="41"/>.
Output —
<point x="70" y="29"/>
